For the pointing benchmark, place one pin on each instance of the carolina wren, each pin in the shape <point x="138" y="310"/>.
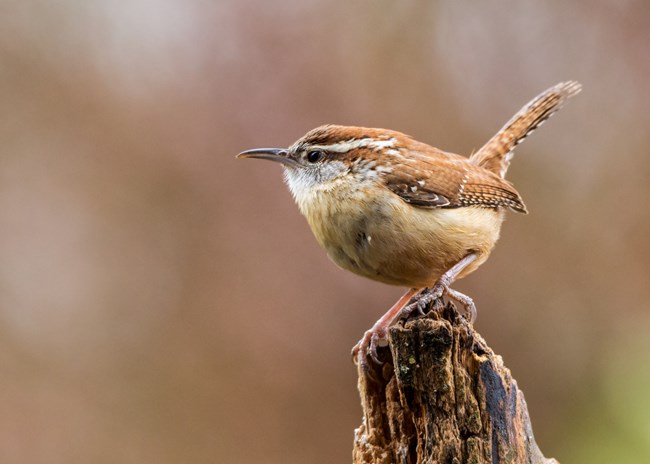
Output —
<point x="399" y="211"/>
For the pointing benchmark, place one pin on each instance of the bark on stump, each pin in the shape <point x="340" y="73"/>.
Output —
<point x="443" y="397"/>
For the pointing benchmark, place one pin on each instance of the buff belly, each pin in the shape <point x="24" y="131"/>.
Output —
<point x="388" y="240"/>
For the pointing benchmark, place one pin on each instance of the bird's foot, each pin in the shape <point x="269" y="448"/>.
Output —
<point x="366" y="348"/>
<point x="435" y="294"/>
<point x="466" y="302"/>
<point x="377" y="336"/>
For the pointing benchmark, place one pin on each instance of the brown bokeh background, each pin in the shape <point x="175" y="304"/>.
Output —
<point x="163" y="302"/>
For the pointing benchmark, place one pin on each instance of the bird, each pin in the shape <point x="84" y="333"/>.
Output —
<point x="395" y="210"/>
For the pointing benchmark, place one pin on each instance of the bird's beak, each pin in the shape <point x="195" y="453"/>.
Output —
<point x="280" y="155"/>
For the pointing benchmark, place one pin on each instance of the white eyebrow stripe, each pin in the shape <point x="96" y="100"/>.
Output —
<point x="343" y="147"/>
<point x="389" y="143"/>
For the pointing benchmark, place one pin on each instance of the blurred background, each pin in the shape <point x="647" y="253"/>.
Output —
<point x="163" y="302"/>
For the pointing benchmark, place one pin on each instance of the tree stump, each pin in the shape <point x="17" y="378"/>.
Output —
<point x="443" y="397"/>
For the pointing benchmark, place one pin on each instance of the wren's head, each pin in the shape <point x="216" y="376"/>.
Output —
<point x="329" y="154"/>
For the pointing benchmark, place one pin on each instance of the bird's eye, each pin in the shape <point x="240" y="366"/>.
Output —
<point x="314" y="156"/>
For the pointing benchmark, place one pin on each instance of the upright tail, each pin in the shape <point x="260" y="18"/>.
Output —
<point x="496" y="154"/>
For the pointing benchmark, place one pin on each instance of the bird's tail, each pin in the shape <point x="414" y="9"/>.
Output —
<point x="495" y="155"/>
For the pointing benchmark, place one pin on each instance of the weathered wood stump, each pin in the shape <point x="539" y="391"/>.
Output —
<point x="443" y="397"/>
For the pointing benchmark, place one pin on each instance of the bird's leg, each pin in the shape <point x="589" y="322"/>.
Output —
<point x="441" y="287"/>
<point x="378" y="334"/>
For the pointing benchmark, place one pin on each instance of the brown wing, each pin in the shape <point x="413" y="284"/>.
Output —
<point x="430" y="178"/>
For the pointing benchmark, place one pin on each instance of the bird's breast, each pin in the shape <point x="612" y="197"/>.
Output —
<point x="372" y="232"/>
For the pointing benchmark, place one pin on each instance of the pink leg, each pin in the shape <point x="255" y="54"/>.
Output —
<point x="442" y="287"/>
<point x="378" y="334"/>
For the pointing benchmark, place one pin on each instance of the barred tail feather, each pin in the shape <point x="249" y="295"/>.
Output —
<point x="496" y="154"/>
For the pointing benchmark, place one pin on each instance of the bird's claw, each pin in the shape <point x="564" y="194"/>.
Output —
<point x="367" y="348"/>
<point x="435" y="295"/>
<point x="467" y="302"/>
<point x="427" y="296"/>
<point x="421" y="306"/>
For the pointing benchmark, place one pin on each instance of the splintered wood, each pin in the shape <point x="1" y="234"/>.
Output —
<point x="444" y="398"/>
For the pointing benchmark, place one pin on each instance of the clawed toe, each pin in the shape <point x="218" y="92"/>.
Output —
<point x="421" y="305"/>
<point x="367" y="347"/>
<point x="434" y="295"/>
<point x="429" y="295"/>
<point x="467" y="302"/>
